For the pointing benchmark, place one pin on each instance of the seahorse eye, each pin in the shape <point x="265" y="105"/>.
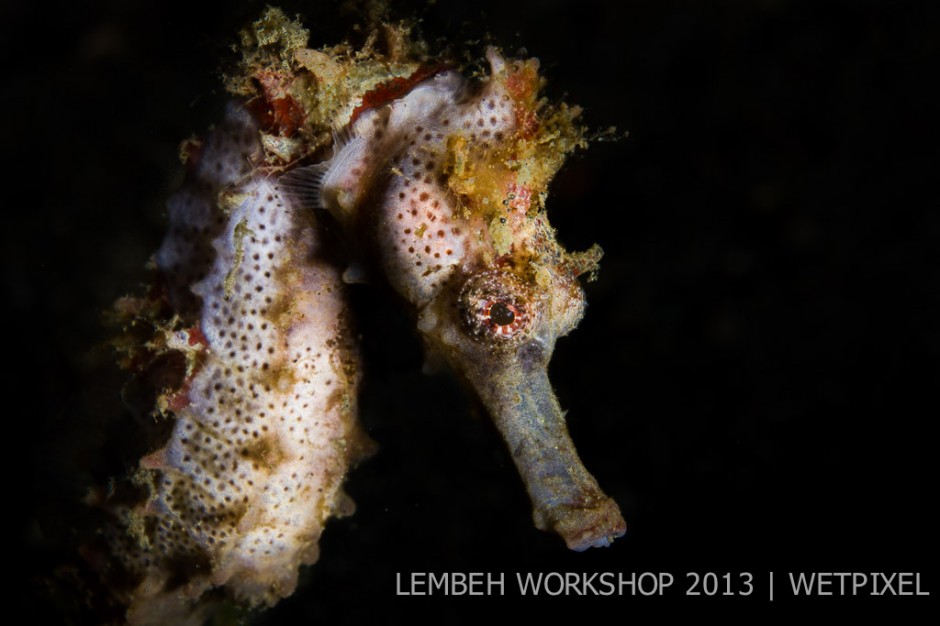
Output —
<point x="502" y="314"/>
<point x="496" y="304"/>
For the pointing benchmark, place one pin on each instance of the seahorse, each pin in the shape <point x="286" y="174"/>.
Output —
<point x="440" y="184"/>
<point x="444" y="189"/>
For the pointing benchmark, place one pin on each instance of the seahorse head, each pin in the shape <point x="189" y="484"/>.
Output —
<point x="444" y="188"/>
<point x="496" y="323"/>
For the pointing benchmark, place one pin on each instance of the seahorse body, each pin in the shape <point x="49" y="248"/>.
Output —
<point x="264" y="419"/>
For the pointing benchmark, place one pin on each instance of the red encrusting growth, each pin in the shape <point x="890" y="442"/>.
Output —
<point x="523" y="84"/>
<point x="395" y="88"/>
<point x="196" y="337"/>
<point x="277" y="111"/>
<point x="282" y="116"/>
<point x="518" y="197"/>
<point x="179" y="400"/>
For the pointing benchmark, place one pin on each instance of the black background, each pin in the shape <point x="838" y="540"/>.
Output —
<point x="755" y="380"/>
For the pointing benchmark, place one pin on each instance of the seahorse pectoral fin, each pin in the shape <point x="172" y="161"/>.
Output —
<point x="565" y="497"/>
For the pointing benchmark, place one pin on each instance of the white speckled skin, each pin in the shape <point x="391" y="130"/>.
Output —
<point x="416" y="218"/>
<point x="265" y="421"/>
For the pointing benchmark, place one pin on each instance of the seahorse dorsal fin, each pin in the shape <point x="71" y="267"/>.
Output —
<point x="305" y="185"/>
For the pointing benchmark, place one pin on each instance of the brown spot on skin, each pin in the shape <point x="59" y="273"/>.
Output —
<point x="264" y="451"/>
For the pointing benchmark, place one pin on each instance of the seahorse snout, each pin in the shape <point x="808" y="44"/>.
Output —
<point x="566" y="499"/>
